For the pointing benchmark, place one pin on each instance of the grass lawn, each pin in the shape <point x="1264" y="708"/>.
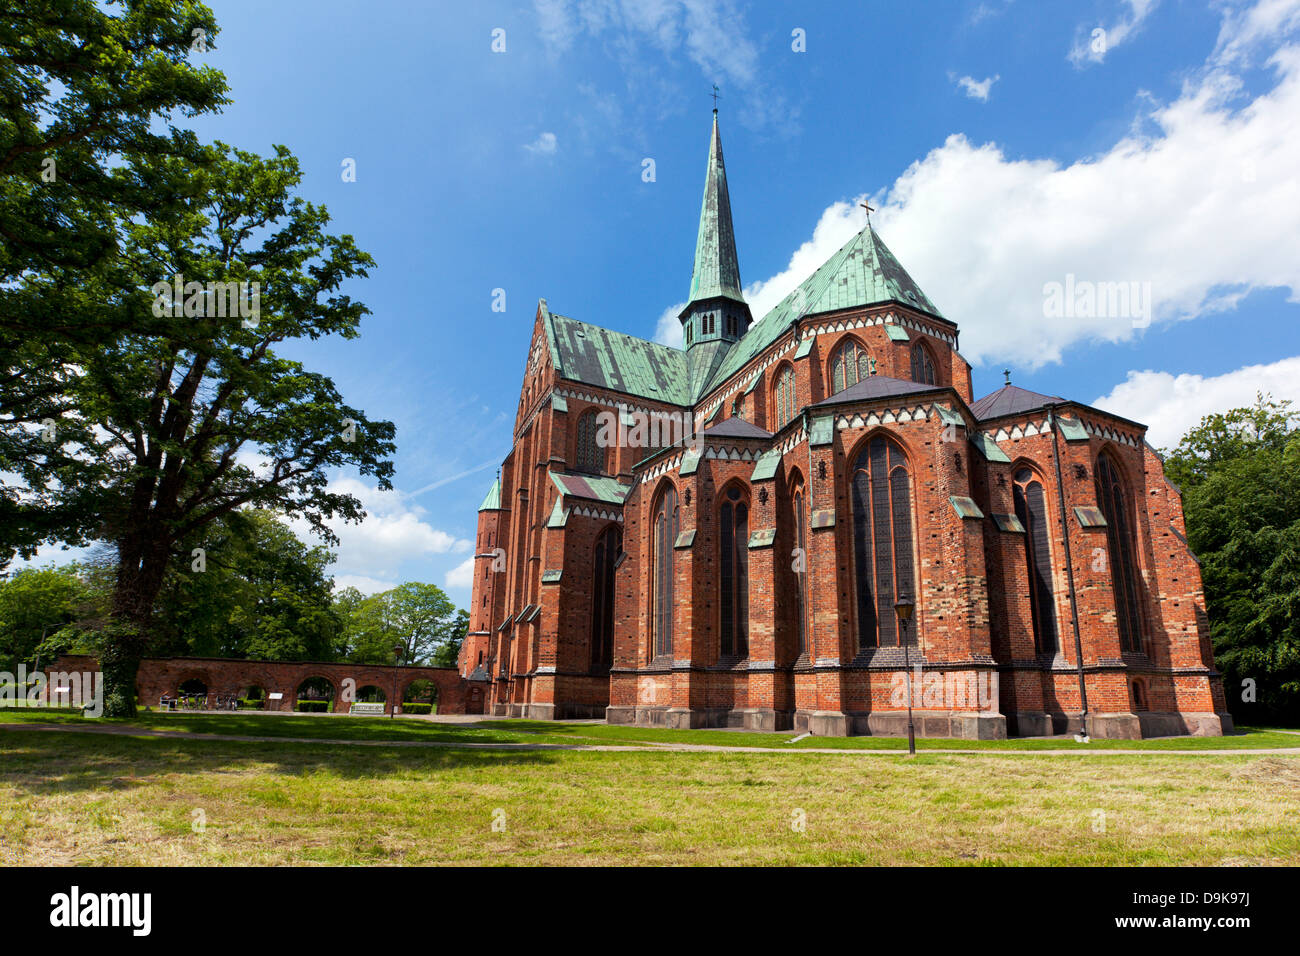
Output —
<point x="96" y="799"/>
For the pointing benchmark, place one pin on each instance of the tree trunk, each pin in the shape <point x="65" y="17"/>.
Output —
<point x="139" y="579"/>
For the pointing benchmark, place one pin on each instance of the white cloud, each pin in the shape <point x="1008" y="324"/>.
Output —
<point x="362" y="583"/>
<point x="544" y="145"/>
<point x="1091" y="44"/>
<point x="1247" y="25"/>
<point x="1205" y="208"/>
<point x="1170" y="404"/>
<point x="978" y="89"/>
<point x="394" y="531"/>
<point x="711" y="32"/>
<point x="668" y="330"/>
<point x="461" y="576"/>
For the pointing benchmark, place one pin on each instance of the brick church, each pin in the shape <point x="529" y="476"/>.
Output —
<point x="731" y="533"/>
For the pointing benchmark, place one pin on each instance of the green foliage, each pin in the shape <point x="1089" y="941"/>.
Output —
<point x="313" y="706"/>
<point x="417" y="618"/>
<point x="1240" y="476"/>
<point x="88" y="95"/>
<point x="39" y="611"/>
<point x="413" y="707"/>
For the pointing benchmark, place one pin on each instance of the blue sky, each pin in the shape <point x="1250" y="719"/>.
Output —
<point x="1004" y="147"/>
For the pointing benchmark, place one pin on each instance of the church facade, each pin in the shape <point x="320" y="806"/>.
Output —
<point x="799" y="522"/>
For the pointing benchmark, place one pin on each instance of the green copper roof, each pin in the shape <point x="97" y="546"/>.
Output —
<point x="592" y="487"/>
<point x="862" y="272"/>
<point x="587" y="353"/>
<point x="716" y="272"/>
<point x="493" y="500"/>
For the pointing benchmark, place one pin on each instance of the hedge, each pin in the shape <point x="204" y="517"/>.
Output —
<point x="313" y="706"/>
<point x="412" y="707"/>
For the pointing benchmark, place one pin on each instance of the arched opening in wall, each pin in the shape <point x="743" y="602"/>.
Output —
<point x="609" y="545"/>
<point x="1114" y="501"/>
<point x="799" y="523"/>
<point x="252" y="697"/>
<point x="192" y="692"/>
<point x="882" y="541"/>
<point x="665" y="525"/>
<point x="922" y="365"/>
<point x="314" y="695"/>
<point x="849" y="365"/>
<point x="784" y="402"/>
<point x="733" y="573"/>
<point x="1139" y="693"/>
<point x="371" y="694"/>
<point x="420" y="697"/>
<point x="1031" y="508"/>
<point x="590" y="456"/>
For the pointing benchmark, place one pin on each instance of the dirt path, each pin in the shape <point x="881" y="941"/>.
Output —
<point x="1081" y="751"/>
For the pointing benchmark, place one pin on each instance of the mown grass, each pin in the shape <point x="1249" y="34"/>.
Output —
<point x="94" y="799"/>
<point x="318" y="727"/>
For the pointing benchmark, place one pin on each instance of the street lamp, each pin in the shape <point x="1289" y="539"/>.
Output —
<point x="392" y="704"/>
<point x="903" y="607"/>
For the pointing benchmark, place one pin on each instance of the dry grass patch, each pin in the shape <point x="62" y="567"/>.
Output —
<point x="71" y="798"/>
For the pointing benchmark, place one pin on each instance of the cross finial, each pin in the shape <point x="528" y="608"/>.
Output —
<point x="867" y="207"/>
<point x="715" y="97"/>
<point x="1006" y="373"/>
<point x="873" y="366"/>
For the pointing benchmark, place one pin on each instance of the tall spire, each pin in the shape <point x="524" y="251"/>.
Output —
<point x="716" y="315"/>
<point x="717" y="270"/>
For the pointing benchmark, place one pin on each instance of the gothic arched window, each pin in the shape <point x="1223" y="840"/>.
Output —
<point x="882" y="540"/>
<point x="608" y="547"/>
<point x="849" y="365"/>
<point x="664" y="526"/>
<point x="922" y="365"/>
<point x="801" y="570"/>
<point x="1113" y="501"/>
<point x="1031" y="509"/>
<point x="785" y="402"/>
<point x="733" y="573"/>
<point x="591" y="457"/>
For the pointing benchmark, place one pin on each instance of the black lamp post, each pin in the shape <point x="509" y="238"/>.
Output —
<point x="392" y="704"/>
<point x="903" y="607"/>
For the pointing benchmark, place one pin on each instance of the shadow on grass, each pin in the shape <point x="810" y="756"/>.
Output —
<point x="50" y="763"/>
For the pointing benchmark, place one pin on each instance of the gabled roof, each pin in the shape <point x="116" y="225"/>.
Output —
<point x="493" y="500"/>
<point x="862" y="272"/>
<point x="594" y="487"/>
<point x="624" y="363"/>
<point x="1011" y="400"/>
<point x="736" y="428"/>
<point x="716" y="271"/>
<point x="876" y="386"/>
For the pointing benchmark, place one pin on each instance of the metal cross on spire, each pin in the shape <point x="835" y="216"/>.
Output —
<point x="869" y="209"/>
<point x="1006" y="373"/>
<point x="715" y="97"/>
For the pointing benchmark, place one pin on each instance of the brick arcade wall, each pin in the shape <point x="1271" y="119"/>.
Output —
<point x="159" y="676"/>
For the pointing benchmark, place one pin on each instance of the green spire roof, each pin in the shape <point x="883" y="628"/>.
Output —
<point x="493" y="500"/>
<point x="717" y="272"/>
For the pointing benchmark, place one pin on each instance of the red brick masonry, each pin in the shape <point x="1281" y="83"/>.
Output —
<point x="163" y="676"/>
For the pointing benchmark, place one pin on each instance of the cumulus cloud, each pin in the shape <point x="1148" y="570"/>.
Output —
<point x="461" y="576"/>
<point x="1091" y="44"/>
<point x="544" y="145"/>
<point x="1171" y="404"/>
<point x="668" y="330"/>
<point x="977" y="89"/>
<point x="366" y="585"/>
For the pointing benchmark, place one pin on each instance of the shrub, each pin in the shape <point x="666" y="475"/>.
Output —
<point x="313" y="706"/>
<point x="412" y="707"/>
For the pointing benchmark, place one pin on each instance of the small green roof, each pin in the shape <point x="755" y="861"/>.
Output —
<point x="592" y="487"/>
<point x="493" y="500"/>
